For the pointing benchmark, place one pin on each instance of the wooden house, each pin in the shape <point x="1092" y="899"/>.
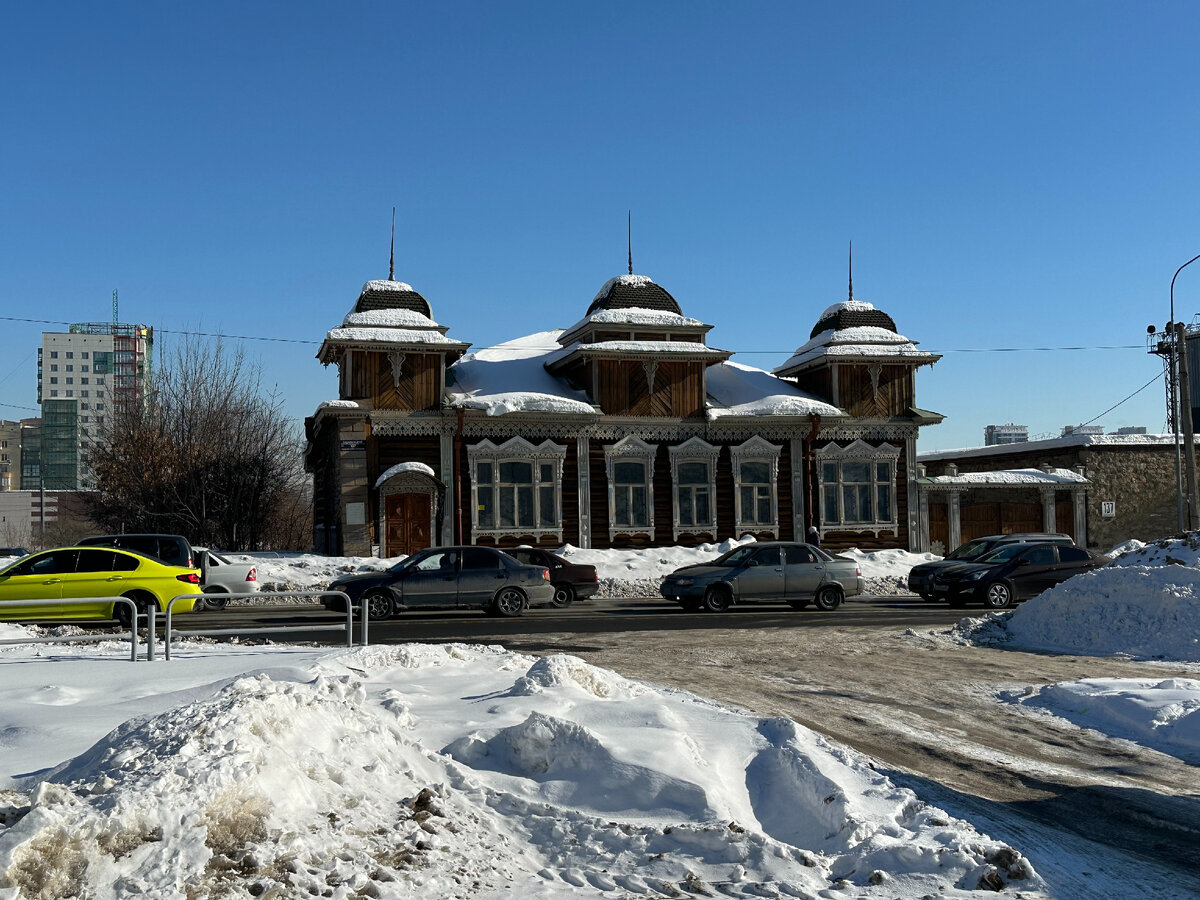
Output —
<point x="624" y="430"/>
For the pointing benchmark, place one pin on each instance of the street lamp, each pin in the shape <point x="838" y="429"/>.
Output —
<point x="1175" y="351"/>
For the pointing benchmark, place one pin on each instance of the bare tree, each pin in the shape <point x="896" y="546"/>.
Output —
<point x="208" y="454"/>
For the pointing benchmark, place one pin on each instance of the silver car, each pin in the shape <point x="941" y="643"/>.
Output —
<point x="220" y="575"/>
<point x="798" y="574"/>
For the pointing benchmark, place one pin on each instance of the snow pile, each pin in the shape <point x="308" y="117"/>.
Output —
<point x="886" y="571"/>
<point x="389" y="318"/>
<point x="511" y="377"/>
<point x="1159" y="713"/>
<point x="738" y="390"/>
<point x="636" y="281"/>
<point x="1180" y="551"/>
<point x="1143" y="611"/>
<point x="452" y="771"/>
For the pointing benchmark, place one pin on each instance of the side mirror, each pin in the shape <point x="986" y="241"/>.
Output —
<point x="751" y="562"/>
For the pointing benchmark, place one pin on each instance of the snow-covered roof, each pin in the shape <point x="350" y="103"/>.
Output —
<point x="1070" y="440"/>
<point x="635" y="281"/>
<point x="511" y="377"/>
<point x="738" y="390"/>
<point x="403" y="467"/>
<point x="389" y="335"/>
<point x="384" y="285"/>
<point x="338" y="404"/>
<point x="847" y="306"/>
<point x="635" y="316"/>
<point x="389" y="318"/>
<point x="639" y="348"/>
<point x="1008" y="477"/>
<point x="861" y="341"/>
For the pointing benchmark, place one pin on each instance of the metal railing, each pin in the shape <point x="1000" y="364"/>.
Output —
<point x="268" y="629"/>
<point x="86" y="638"/>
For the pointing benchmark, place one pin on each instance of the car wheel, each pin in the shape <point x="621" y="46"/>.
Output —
<point x="121" y="610"/>
<point x="379" y="605"/>
<point x="214" y="600"/>
<point x="828" y="598"/>
<point x="716" y="599"/>
<point x="564" y="595"/>
<point x="509" y="602"/>
<point x="998" y="595"/>
<point x="797" y="602"/>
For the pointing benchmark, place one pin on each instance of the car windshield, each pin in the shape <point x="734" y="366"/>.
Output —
<point x="734" y="557"/>
<point x="971" y="550"/>
<point x="1003" y="554"/>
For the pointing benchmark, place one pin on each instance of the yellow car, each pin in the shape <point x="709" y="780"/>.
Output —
<point x="82" y="572"/>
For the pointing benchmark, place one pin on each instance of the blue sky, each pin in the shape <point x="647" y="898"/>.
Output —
<point x="1012" y="175"/>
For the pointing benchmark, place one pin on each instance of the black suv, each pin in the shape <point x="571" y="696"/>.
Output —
<point x="172" y="549"/>
<point x="1012" y="572"/>
<point x="920" y="579"/>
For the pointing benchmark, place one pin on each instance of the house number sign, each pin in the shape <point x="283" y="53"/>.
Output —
<point x="1108" y="508"/>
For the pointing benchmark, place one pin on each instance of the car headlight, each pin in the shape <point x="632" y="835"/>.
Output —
<point x="684" y="582"/>
<point x="975" y="576"/>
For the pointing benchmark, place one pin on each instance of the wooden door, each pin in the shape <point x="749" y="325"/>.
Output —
<point x="406" y="524"/>
<point x="939" y="524"/>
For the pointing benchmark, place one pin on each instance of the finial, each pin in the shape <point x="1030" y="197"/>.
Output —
<point x="629" y="232"/>
<point x="392" y="254"/>
<point x="851" y="297"/>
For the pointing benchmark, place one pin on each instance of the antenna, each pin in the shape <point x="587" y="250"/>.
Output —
<point x="851" y="297"/>
<point x="629" y="232"/>
<point x="116" y="318"/>
<point x="392" y="254"/>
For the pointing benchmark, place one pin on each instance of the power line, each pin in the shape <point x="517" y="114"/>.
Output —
<point x="1130" y="397"/>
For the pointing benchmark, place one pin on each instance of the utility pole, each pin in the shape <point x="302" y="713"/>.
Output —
<point x="1185" y="415"/>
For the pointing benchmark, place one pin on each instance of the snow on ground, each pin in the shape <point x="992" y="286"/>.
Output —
<point x="1145" y="605"/>
<point x="439" y="771"/>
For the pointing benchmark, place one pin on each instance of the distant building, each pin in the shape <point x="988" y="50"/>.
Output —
<point x="83" y="375"/>
<point x="10" y="455"/>
<point x="1081" y="429"/>
<point x="1131" y="429"/>
<point x="1008" y="433"/>
<point x="31" y="455"/>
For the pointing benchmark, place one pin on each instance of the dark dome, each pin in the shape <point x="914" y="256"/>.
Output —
<point x="391" y="295"/>
<point x="852" y="314"/>
<point x="633" y="292"/>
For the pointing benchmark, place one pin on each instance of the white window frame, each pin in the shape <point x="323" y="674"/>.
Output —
<point x="517" y="449"/>
<point x="858" y="451"/>
<point x="690" y="451"/>
<point x="624" y="450"/>
<point x="760" y="450"/>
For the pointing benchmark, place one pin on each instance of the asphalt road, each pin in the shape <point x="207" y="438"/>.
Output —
<point x="1100" y="818"/>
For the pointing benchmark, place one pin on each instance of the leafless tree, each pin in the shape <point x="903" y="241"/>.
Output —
<point x="207" y="454"/>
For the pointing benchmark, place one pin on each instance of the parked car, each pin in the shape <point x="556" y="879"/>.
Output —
<point x="221" y="575"/>
<point x="13" y="551"/>
<point x="1012" y="572"/>
<point x="82" y="572"/>
<point x="172" y="549"/>
<point x="920" y="579"/>
<point x="571" y="581"/>
<point x="448" y="578"/>
<point x="778" y="570"/>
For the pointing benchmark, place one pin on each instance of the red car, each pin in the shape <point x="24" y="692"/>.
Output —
<point x="571" y="581"/>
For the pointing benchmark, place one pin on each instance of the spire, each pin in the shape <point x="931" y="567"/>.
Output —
<point x="629" y="232"/>
<point x="851" y="297"/>
<point x="392" y="253"/>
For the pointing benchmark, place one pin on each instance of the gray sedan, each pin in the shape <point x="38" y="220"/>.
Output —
<point x="448" y="578"/>
<point x="779" y="570"/>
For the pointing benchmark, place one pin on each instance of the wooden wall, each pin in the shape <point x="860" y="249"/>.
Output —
<point x="857" y="396"/>
<point x="678" y="389"/>
<point x="419" y="387"/>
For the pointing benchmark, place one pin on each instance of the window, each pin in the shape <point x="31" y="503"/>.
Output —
<point x="517" y="488"/>
<point x="630" y="468"/>
<point x="858" y="487"/>
<point x="70" y="368"/>
<point x="1072" y="554"/>
<point x="479" y="559"/>
<point x="54" y="393"/>
<point x="756" y="497"/>
<point x="53" y="367"/>
<point x="83" y="368"/>
<point x="54" y="379"/>
<point x="70" y="355"/>
<point x="83" y="355"/>
<point x="70" y="380"/>
<point x="99" y="381"/>
<point x="53" y="355"/>
<point x="83" y="381"/>
<point x="693" y="471"/>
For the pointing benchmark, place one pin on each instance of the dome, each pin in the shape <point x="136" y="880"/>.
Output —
<point x="633" y="292"/>
<point x="852" y="314"/>
<point x="391" y="295"/>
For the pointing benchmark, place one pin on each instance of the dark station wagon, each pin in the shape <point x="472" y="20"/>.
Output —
<point x="1012" y="572"/>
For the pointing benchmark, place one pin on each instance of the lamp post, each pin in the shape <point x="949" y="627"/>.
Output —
<point x="1175" y="351"/>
